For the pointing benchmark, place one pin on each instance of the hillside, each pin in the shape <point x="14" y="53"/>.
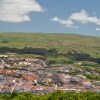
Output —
<point x="62" y="42"/>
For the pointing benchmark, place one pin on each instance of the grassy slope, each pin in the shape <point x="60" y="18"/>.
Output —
<point x="62" y="42"/>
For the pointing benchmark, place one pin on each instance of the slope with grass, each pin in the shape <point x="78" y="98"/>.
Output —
<point x="62" y="42"/>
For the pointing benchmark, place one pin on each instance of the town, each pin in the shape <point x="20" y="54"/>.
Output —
<point x="38" y="77"/>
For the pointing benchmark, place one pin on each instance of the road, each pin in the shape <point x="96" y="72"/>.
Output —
<point x="56" y="79"/>
<point x="2" y="63"/>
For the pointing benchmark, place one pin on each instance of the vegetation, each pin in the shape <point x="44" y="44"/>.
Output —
<point x="52" y="55"/>
<point x="57" y="95"/>
<point x="61" y="60"/>
<point x="92" y="76"/>
<point x="61" y="42"/>
<point x="52" y="46"/>
<point x="55" y="49"/>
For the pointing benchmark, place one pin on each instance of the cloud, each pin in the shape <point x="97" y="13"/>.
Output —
<point x="68" y="23"/>
<point x="82" y="17"/>
<point x="97" y="29"/>
<point x="17" y="10"/>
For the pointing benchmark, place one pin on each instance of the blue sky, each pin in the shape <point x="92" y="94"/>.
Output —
<point x="50" y="16"/>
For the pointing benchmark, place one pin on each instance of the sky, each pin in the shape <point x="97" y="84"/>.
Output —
<point x="51" y="16"/>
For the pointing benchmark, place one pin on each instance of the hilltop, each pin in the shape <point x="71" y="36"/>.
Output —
<point x="62" y="42"/>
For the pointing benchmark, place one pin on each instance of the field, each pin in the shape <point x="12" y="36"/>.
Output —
<point x="62" y="42"/>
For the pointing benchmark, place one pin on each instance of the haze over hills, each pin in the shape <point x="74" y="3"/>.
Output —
<point x="62" y="42"/>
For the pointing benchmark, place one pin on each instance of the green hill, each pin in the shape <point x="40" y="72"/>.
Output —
<point x="62" y="42"/>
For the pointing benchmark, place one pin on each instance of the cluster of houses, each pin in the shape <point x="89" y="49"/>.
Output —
<point x="34" y="75"/>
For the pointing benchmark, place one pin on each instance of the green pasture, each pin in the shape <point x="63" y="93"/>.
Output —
<point x="62" y="42"/>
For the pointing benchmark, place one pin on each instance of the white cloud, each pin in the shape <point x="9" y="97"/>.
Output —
<point x="82" y="17"/>
<point x="17" y="10"/>
<point x="98" y="29"/>
<point x="68" y="23"/>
